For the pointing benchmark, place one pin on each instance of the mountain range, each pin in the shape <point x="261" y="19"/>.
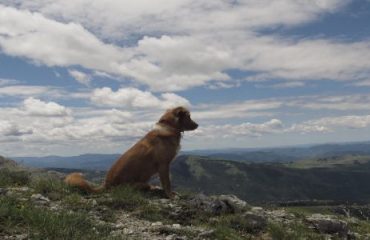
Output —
<point x="263" y="155"/>
<point x="330" y="172"/>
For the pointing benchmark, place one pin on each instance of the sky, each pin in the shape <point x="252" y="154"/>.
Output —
<point x="93" y="76"/>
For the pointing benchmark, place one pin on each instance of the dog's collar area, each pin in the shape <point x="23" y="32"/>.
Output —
<point x="166" y="129"/>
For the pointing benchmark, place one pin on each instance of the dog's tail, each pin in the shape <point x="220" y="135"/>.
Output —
<point x="77" y="180"/>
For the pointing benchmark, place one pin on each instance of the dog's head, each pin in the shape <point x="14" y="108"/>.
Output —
<point x="178" y="118"/>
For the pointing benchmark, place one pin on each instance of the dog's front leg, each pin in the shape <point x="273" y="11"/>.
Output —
<point x="164" y="176"/>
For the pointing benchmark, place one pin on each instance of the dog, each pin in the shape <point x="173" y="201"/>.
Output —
<point x="151" y="155"/>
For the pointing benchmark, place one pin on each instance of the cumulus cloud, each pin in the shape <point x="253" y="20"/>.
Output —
<point x="186" y="57"/>
<point x="37" y="107"/>
<point x="135" y="98"/>
<point x="173" y="16"/>
<point x="9" y="129"/>
<point x="31" y="35"/>
<point x="80" y="77"/>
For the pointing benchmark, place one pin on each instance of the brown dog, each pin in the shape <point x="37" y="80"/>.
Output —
<point x="151" y="155"/>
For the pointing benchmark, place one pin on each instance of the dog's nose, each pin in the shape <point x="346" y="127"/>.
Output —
<point x="196" y="125"/>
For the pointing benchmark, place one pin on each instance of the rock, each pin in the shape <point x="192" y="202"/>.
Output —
<point x="257" y="209"/>
<point x="280" y="216"/>
<point x="93" y="202"/>
<point x="170" y="237"/>
<point x="21" y="237"/>
<point x="39" y="198"/>
<point x="326" y="224"/>
<point x="157" y="224"/>
<point x="176" y="226"/>
<point x="206" y="234"/>
<point x="175" y="237"/>
<point x="119" y="225"/>
<point x="217" y="205"/>
<point x="360" y="212"/>
<point x="3" y="191"/>
<point x="237" y="204"/>
<point x="254" y="222"/>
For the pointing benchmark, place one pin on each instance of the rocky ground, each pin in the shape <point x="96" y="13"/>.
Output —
<point x="40" y="206"/>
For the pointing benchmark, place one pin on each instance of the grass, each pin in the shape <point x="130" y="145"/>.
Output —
<point x="153" y="213"/>
<point x="52" y="188"/>
<point x="226" y="233"/>
<point x="21" y="217"/>
<point x="308" y="210"/>
<point x="124" y="197"/>
<point x="10" y="178"/>
<point x="361" y="227"/>
<point x="293" y="232"/>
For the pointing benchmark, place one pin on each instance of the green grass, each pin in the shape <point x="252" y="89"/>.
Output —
<point x="75" y="201"/>
<point x="153" y="213"/>
<point x="226" y="233"/>
<point x="54" y="189"/>
<point x="10" y="178"/>
<point x="124" y="197"/>
<point x="308" y="210"/>
<point x="17" y="217"/>
<point x="292" y="232"/>
<point x="361" y="227"/>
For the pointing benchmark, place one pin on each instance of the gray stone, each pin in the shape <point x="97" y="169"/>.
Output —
<point x="328" y="225"/>
<point x="237" y="204"/>
<point x="206" y="234"/>
<point x="176" y="226"/>
<point x="157" y="224"/>
<point x="39" y="198"/>
<point x="217" y="205"/>
<point x="3" y="191"/>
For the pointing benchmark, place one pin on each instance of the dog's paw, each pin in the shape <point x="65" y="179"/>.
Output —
<point x="155" y="188"/>
<point x="173" y="195"/>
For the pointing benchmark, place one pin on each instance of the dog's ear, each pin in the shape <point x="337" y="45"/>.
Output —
<point x="180" y="112"/>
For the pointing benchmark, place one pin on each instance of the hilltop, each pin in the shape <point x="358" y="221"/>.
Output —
<point x="36" y="204"/>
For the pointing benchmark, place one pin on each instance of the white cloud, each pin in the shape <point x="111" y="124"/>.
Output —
<point x="338" y="102"/>
<point x="80" y="77"/>
<point x="135" y="98"/>
<point x="186" y="57"/>
<point x="246" y="129"/>
<point x="4" y="81"/>
<point x="8" y="128"/>
<point x="179" y="16"/>
<point x="52" y="43"/>
<point x="282" y="85"/>
<point x="23" y="90"/>
<point x="37" y="107"/>
<point x="364" y="83"/>
<point x="328" y="124"/>
<point x="244" y="109"/>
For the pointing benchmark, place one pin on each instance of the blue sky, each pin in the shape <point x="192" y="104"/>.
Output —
<point x="85" y="76"/>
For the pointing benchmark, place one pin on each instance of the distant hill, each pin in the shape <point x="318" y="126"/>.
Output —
<point x="272" y="182"/>
<point x="339" y="172"/>
<point x="86" y="161"/>
<point x="286" y="154"/>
